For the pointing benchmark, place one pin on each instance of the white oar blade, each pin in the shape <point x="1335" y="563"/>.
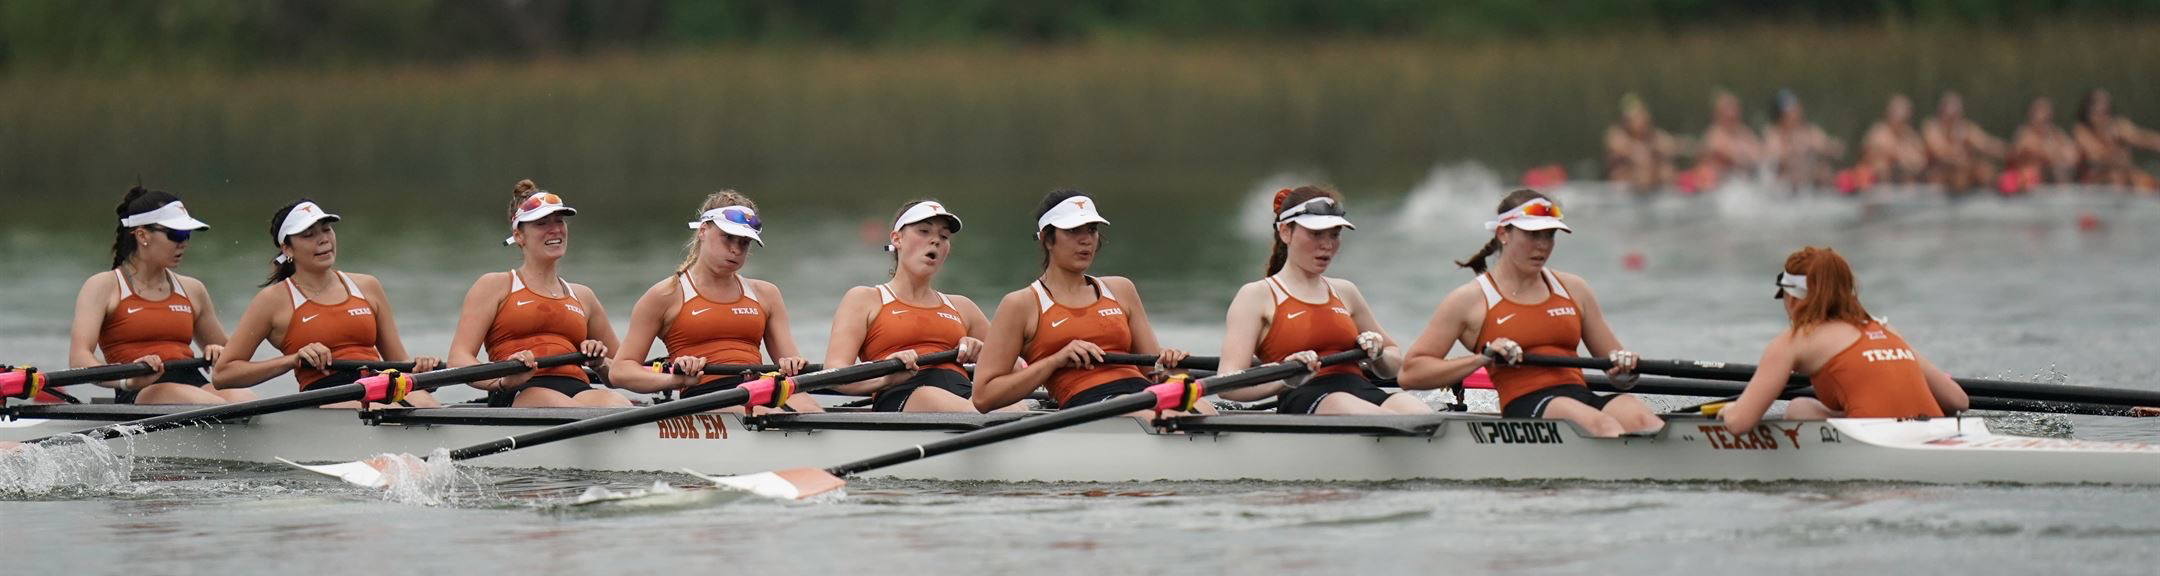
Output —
<point x="355" y="473"/>
<point x="789" y="484"/>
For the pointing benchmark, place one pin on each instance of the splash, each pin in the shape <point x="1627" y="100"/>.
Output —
<point x="79" y="462"/>
<point x="432" y="481"/>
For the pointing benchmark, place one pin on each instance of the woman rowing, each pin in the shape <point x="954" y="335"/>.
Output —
<point x="315" y="313"/>
<point x="142" y="311"/>
<point x="1859" y="366"/>
<point x="905" y="317"/>
<point x="531" y="311"/>
<point x="708" y="313"/>
<point x="2105" y="142"/>
<point x="1521" y="306"/>
<point x="1296" y="313"/>
<point x="1065" y="321"/>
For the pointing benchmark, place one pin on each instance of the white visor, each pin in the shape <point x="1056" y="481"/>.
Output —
<point x="1071" y="213"/>
<point x="302" y="217"/>
<point x="733" y="220"/>
<point x="1548" y="217"/>
<point x="924" y="211"/>
<point x="537" y="206"/>
<point x="1309" y="214"/>
<point x="172" y="216"/>
<point x="1793" y="285"/>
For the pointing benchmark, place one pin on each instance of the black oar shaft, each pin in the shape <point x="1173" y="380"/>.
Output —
<point x="117" y="372"/>
<point x="1972" y="386"/>
<point x="708" y="402"/>
<point x="310" y="399"/>
<point x="1081" y="415"/>
<point x="369" y="365"/>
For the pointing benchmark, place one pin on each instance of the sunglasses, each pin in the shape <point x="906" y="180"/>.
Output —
<point x="1314" y="207"/>
<point x="1542" y="209"/>
<point x="538" y="200"/>
<point x="743" y="216"/>
<point x="176" y="236"/>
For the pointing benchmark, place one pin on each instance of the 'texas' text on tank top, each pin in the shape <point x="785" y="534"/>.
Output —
<point x="719" y="332"/>
<point x="547" y="326"/>
<point x="347" y="328"/>
<point x="902" y="326"/>
<point x="1877" y="376"/>
<point x="139" y="327"/>
<point x="1102" y="322"/>
<point x="1552" y="327"/>
<point x="1297" y="326"/>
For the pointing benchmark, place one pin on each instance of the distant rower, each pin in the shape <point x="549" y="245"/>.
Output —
<point x="1637" y="153"/>
<point x="1892" y="152"/>
<point x="1800" y="150"/>
<point x="2105" y="141"/>
<point x="1958" y="149"/>
<point x="1859" y="366"/>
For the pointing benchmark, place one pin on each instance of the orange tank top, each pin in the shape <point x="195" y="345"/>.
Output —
<point x="1878" y="376"/>
<point x="1552" y="327"/>
<point x="547" y="326"/>
<point x="1298" y="326"/>
<point x="347" y="328"/>
<point x="138" y="327"/>
<point x="719" y="332"/>
<point x="1102" y="322"/>
<point x="901" y="326"/>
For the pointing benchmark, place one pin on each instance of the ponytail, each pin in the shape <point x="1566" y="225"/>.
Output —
<point x="285" y="269"/>
<point x="1476" y="262"/>
<point x="1280" y="253"/>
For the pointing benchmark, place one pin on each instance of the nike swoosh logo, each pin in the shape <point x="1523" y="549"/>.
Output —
<point x="1503" y="320"/>
<point x="134" y="310"/>
<point x="699" y="311"/>
<point x="524" y="302"/>
<point x="1295" y="314"/>
<point x="304" y="319"/>
<point x="1059" y="321"/>
<point x="898" y="312"/>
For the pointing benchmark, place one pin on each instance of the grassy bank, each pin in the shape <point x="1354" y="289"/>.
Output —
<point x="843" y="122"/>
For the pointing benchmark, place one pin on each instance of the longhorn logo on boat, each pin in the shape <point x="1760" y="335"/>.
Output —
<point x="1516" y="433"/>
<point x="693" y="427"/>
<point x="1763" y="437"/>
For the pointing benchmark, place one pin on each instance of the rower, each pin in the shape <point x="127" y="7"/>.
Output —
<point x="1065" y="321"/>
<point x="1296" y="313"/>
<point x="1522" y="306"/>
<point x="1637" y="154"/>
<point x="1728" y="145"/>
<point x="531" y="311"/>
<point x="1892" y="152"/>
<point x="2040" y="151"/>
<point x="905" y="317"/>
<point x="708" y="313"/>
<point x="1958" y="149"/>
<point x="142" y="311"/>
<point x="1859" y="366"/>
<point x="1800" y="149"/>
<point x="2104" y="144"/>
<point x="315" y="313"/>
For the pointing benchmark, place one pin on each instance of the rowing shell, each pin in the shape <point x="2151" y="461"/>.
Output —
<point x="1224" y="447"/>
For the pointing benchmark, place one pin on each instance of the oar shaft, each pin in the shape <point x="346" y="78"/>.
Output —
<point x="310" y="399"/>
<point x="1189" y="363"/>
<point x="1081" y="415"/>
<point x="117" y="372"/>
<point x="1972" y="386"/>
<point x="369" y="365"/>
<point x="714" y="401"/>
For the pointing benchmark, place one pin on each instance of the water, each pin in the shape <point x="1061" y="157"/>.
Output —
<point x="1985" y="288"/>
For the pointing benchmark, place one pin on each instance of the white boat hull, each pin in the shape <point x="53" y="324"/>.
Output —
<point x="1263" y="447"/>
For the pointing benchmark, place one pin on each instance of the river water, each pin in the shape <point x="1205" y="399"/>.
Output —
<point x="2051" y="289"/>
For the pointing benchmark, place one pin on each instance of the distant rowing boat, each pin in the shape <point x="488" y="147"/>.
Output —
<point x="1235" y="445"/>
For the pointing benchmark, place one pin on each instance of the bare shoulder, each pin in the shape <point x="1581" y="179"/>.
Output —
<point x="1119" y="285"/>
<point x="1573" y="283"/>
<point x="368" y="283"/>
<point x="1018" y="299"/>
<point x="276" y="292"/>
<point x="102" y="282"/>
<point x="493" y="280"/>
<point x="957" y="300"/>
<point x="1345" y="288"/>
<point x="764" y="289"/>
<point x="860" y="296"/>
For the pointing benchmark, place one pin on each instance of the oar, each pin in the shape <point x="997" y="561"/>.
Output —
<point x="1973" y="386"/>
<point x="1178" y="393"/>
<point x="1730" y="391"/>
<point x="368" y="366"/>
<point x="25" y="382"/>
<point x="761" y="392"/>
<point x="377" y="388"/>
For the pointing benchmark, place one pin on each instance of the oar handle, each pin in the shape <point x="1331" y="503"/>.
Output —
<point x="368" y="366"/>
<point x="117" y="372"/>
<point x="1972" y="386"/>
<point x="738" y="369"/>
<point x="731" y="397"/>
<point x="1189" y="363"/>
<point x="313" y="398"/>
<point x="1075" y="416"/>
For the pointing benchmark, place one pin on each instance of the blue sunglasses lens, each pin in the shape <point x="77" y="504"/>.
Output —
<point x="745" y="218"/>
<point x="177" y="236"/>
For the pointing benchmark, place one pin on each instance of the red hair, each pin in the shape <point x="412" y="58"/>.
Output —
<point x="1832" y="295"/>
<point x="1280" y="254"/>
